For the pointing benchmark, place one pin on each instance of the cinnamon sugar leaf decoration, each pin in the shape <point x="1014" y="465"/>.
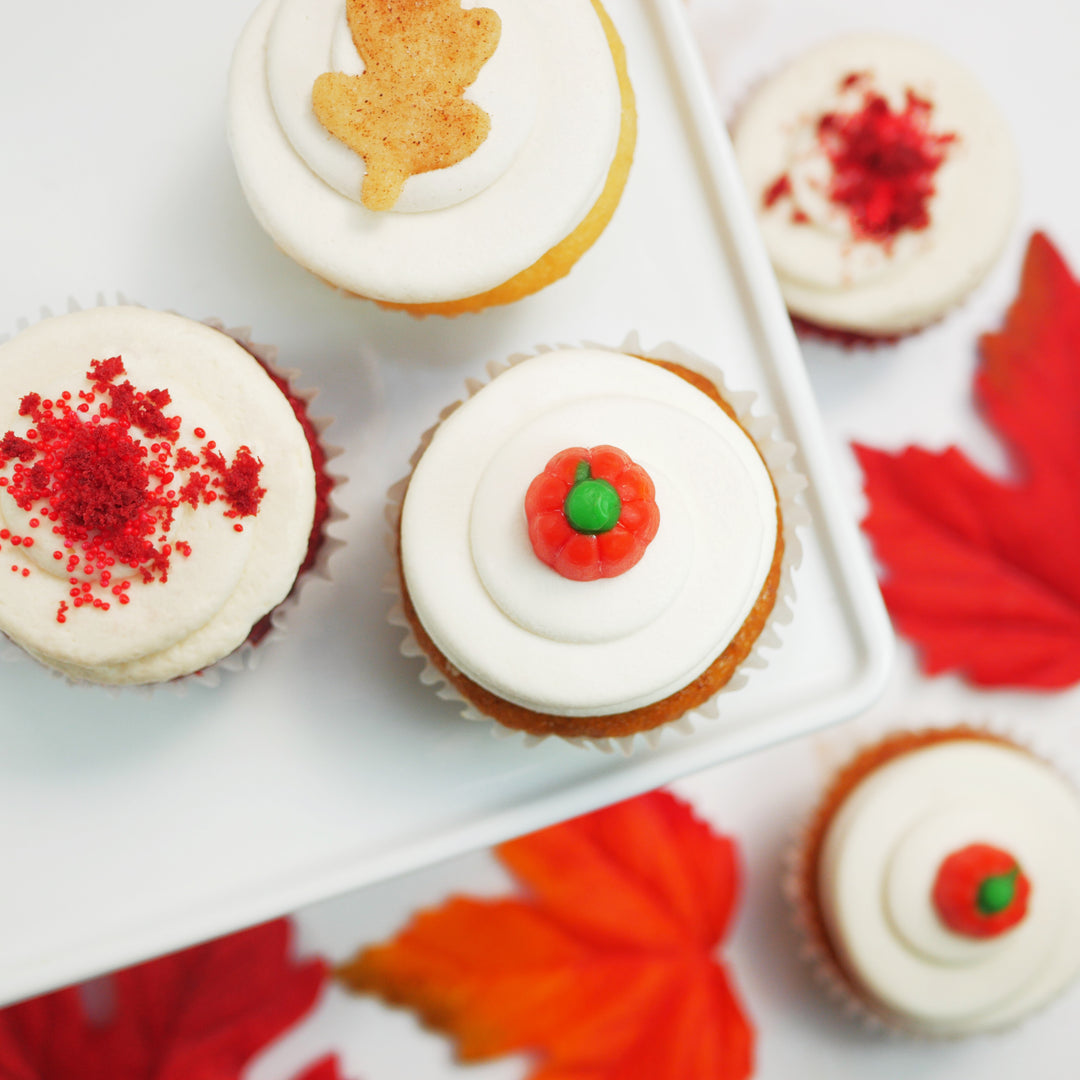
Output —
<point x="984" y="574"/>
<point x="406" y="114"/>
<point x="606" y="968"/>
<point x="204" y="1012"/>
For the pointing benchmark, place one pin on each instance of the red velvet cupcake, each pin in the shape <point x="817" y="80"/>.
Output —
<point x="884" y="180"/>
<point x="162" y="491"/>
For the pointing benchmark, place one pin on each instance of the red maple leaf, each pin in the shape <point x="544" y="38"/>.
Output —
<point x="326" y="1068"/>
<point x="200" y="1014"/>
<point x="606" y="968"/>
<point x="984" y="574"/>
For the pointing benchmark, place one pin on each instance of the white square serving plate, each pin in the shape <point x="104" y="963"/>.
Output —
<point x="132" y="824"/>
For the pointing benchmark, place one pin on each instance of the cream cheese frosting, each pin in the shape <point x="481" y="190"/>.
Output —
<point x="571" y="648"/>
<point x="552" y="93"/>
<point x="224" y="570"/>
<point x="829" y="273"/>
<point x="877" y="869"/>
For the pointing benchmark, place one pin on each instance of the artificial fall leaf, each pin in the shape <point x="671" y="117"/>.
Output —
<point x="326" y="1068"/>
<point x="605" y="967"/>
<point x="984" y="574"/>
<point x="200" y="1014"/>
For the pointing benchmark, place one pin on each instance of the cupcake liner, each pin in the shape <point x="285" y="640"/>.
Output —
<point x="247" y="655"/>
<point x="778" y="455"/>
<point x="799" y="889"/>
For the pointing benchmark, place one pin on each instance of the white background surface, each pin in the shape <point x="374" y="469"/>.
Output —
<point x="917" y="391"/>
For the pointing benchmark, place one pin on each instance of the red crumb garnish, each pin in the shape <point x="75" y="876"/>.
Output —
<point x="883" y="164"/>
<point x="240" y="483"/>
<point x="109" y="481"/>
<point x="853" y="79"/>
<point x="780" y="187"/>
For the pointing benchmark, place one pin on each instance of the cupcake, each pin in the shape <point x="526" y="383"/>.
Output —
<point x="592" y="544"/>
<point x="429" y="156"/>
<point x="161" y="491"/>
<point x="938" y="883"/>
<point x="884" y="179"/>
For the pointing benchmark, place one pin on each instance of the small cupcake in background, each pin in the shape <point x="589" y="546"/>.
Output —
<point x="162" y="489"/>
<point x="938" y="882"/>
<point x="429" y="156"/>
<point x="592" y="545"/>
<point x="884" y="180"/>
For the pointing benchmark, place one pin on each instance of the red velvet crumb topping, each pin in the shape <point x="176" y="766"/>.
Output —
<point x="102" y="471"/>
<point x="780" y="187"/>
<point x="883" y="164"/>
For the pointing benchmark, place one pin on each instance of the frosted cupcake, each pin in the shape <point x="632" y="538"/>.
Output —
<point x="160" y="493"/>
<point x="432" y="156"/>
<point x="884" y="179"/>
<point x="592" y="544"/>
<point x="939" y="880"/>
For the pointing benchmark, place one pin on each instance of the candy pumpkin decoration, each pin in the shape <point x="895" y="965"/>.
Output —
<point x="591" y="513"/>
<point x="980" y="891"/>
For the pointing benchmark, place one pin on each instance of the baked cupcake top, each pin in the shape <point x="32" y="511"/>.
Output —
<point x="948" y="881"/>
<point x="157" y="494"/>
<point x="505" y="118"/>
<point x="689" y="551"/>
<point x="884" y="179"/>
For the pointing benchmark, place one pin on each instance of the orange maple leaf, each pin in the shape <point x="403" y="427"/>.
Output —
<point x="605" y="968"/>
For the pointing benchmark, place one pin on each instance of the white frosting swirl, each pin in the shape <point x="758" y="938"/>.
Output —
<point x="882" y="853"/>
<point x="826" y="273"/>
<point x="595" y="648"/>
<point x="231" y="578"/>
<point x="551" y="90"/>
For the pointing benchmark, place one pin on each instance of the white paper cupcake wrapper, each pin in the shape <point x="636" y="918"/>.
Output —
<point x="778" y="455"/>
<point x="814" y="951"/>
<point x="246" y="656"/>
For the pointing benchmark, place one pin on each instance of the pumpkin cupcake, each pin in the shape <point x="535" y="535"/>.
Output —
<point x="592" y="545"/>
<point x="938" y="880"/>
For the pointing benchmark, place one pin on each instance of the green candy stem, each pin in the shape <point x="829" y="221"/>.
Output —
<point x="996" y="893"/>
<point x="592" y="505"/>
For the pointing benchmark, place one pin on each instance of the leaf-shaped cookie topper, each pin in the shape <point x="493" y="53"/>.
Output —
<point x="406" y="114"/>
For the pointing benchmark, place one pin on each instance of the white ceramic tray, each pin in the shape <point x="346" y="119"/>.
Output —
<point x="131" y="825"/>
